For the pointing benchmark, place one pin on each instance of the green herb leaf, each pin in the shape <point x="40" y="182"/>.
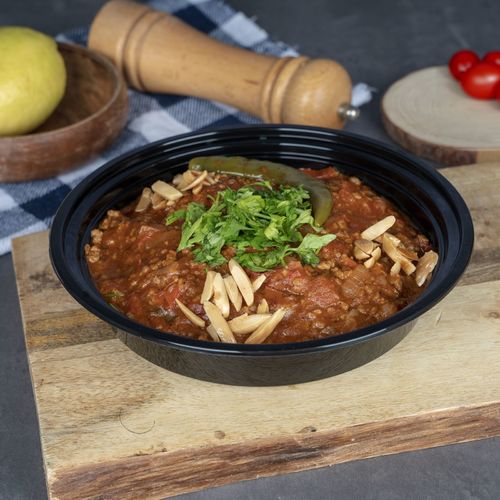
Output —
<point x="193" y="221"/>
<point x="174" y="216"/>
<point x="310" y="246"/>
<point x="260" y="222"/>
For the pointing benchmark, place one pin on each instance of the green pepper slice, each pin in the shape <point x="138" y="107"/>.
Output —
<point x="321" y="197"/>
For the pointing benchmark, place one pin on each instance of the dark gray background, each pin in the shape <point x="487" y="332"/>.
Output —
<point x="378" y="42"/>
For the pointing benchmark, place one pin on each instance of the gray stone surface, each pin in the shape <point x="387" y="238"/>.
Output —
<point x="378" y="42"/>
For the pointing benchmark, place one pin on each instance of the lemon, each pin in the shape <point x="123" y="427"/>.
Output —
<point x="32" y="79"/>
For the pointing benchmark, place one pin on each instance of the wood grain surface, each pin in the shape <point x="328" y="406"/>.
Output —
<point x="116" y="426"/>
<point x="91" y="114"/>
<point x="428" y="113"/>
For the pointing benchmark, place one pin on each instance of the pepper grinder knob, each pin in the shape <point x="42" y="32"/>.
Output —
<point x="157" y="52"/>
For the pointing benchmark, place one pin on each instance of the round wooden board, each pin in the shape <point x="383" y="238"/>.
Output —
<point x="427" y="113"/>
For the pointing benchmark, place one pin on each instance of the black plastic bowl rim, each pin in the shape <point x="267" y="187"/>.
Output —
<point x="82" y="289"/>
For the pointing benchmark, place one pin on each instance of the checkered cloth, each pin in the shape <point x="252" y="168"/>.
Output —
<point x="28" y="207"/>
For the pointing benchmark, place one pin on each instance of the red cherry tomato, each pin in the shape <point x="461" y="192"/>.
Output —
<point x="482" y="80"/>
<point x="461" y="62"/>
<point x="492" y="57"/>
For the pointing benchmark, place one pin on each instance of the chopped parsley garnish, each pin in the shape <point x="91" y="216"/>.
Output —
<point x="260" y="222"/>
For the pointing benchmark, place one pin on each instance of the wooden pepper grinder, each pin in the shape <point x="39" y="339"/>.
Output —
<point x="159" y="53"/>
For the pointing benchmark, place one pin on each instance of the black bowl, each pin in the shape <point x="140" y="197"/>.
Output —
<point x="417" y="189"/>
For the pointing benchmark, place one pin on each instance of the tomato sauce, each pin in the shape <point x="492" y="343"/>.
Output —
<point x="134" y="264"/>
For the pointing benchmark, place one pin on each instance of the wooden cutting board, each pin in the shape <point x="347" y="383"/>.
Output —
<point x="428" y="113"/>
<point x="113" y="425"/>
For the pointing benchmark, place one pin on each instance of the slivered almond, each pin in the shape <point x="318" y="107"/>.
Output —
<point x="213" y="333"/>
<point x="425" y="266"/>
<point x="197" y="189"/>
<point x="144" y="200"/>
<point x="408" y="253"/>
<point x="190" y="315"/>
<point x="392" y="251"/>
<point x="187" y="178"/>
<point x="407" y="266"/>
<point x="166" y="190"/>
<point x="208" y="288"/>
<point x="393" y="238"/>
<point x="376" y="254"/>
<point x="264" y="330"/>
<point x="233" y="293"/>
<point x="369" y="263"/>
<point x="241" y="316"/>
<point x="390" y="248"/>
<point x="395" y="268"/>
<point x="220" y="298"/>
<point x="359" y="254"/>
<point x="243" y="281"/>
<point x="157" y="201"/>
<point x="257" y="282"/>
<point x="263" y="307"/>
<point x="366" y="246"/>
<point x="195" y="182"/>
<point x="220" y="325"/>
<point x="378" y="228"/>
<point x="177" y="179"/>
<point x="247" y="324"/>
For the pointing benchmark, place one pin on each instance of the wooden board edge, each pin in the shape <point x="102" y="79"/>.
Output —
<point x="444" y="155"/>
<point x="39" y="327"/>
<point x="16" y="251"/>
<point x="167" y="474"/>
<point x="487" y="156"/>
<point x="15" y="262"/>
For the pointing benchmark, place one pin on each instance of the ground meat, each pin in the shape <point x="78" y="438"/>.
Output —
<point x="133" y="261"/>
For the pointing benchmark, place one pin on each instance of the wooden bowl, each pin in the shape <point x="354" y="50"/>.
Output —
<point x="90" y="116"/>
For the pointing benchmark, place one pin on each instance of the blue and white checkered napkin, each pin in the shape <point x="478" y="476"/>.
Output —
<point x="28" y="207"/>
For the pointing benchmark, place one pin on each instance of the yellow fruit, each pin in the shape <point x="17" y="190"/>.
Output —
<point x="32" y="79"/>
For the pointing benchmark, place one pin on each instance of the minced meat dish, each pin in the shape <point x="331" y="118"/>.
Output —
<point x="250" y="259"/>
